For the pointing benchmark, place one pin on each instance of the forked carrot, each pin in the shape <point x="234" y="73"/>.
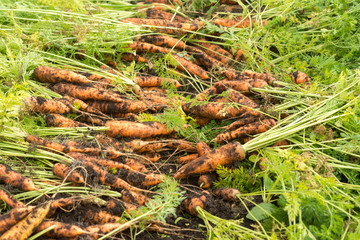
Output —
<point x="202" y="148"/>
<point x="15" y="179"/>
<point x="187" y="158"/>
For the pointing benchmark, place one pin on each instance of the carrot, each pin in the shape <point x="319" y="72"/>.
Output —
<point x="126" y="106"/>
<point x="61" y="230"/>
<point x="227" y="193"/>
<point x="241" y="122"/>
<point x="144" y="180"/>
<point x="215" y="51"/>
<point x="97" y="78"/>
<point x="202" y="148"/>
<point x="141" y="47"/>
<point x="60" y="203"/>
<point x="12" y="217"/>
<point x="117" y="207"/>
<point x="129" y="57"/>
<point x="229" y="2"/>
<point x="164" y="1"/>
<point x="300" y="78"/>
<point x="56" y="120"/>
<point x="157" y="98"/>
<point x="261" y="163"/>
<point x="53" y="75"/>
<point x="232" y="74"/>
<point x="86" y="93"/>
<point x="205" y="181"/>
<point x="201" y="121"/>
<point x="97" y="216"/>
<point x="244" y="86"/>
<point x="223" y="155"/>
<point x="240" y="98"/>
<point x="93" y="120"/>
<point x="15" y="179"/>
<point x="152" y="81"/>
<point x="190" y="204"/>
<point x="25" y="227"/>
<point x="136" y="130"/>
<point x="95" y="231"/>
<point x="81" y="105"/>
<point x="187" y="158"/>
<point x="249" y="129"/>
<point x="10" y="200"/>
<point x="163" y="41"/>
<point x="266" y="77"/>
<point x="214" y="110"/>
<point x="46" y="143"/>
<point x="158" y="6"/>
<point x="164" y="26"/>
<point x="160" y="14"/>
<point x="283" y="142"/>
<point x="63" y="171"/>
<point x="42" y="105"/>
<point x="239" y="55"/>
<point x="153" y="156"/>
<point x="133" y="197"/>
<point x="242" y="23"/>
<point x="203" y="59"/>
<point x="136" y="165"/>
<point x="187" y="66"/>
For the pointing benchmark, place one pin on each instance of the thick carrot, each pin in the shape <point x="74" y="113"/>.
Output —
<point x="12" y="217"/>
<point x="241" y="122"/>
<point x="227" y="193"/>
<point x="153" y="81"/>
<point x="56" y="120"/>
<point x="241" y="23"/>
<point x="86" y="93"/>
<point x="61" y="230"/>
<point x="190" y="204"/>
<point x="263" y="76"/>
<point x="134" y="197"/>
<point x="129" y="57"/>
<point x="187" y="66"/>
<point x="203" y="59"/>
<point x="201" y="121"/>
<point x="42" y="105"/>
<point x="144" y="180"/>
<point x="98" y="216"/>
<point x="63" y="171"/>
<point x="153" y="13"/>
<point x="300" y="78"/>
<point x="23" y="229"/>
<point x="15" y="179"/>
<point x="117" y="207"/>
<point x="126" y="106"/>
<point x="156" y="97"/>
<point x="83" y="106"/>
<point x="249" y="129"/>
<point x="240" y="98"/>
<point x="223" y="155"/>
<point x="187" y="158"/>
<point x="53" y="75"/>
<point x="215" y="51"/>
<point x="239" y="55"/>
<point x="136" y="130"/>
<point x="232" y="74"/>
<point x="92" y="120"/>
<point x="163" y="41"/>
<point x="202" y="148"/>
<point x="46" y="143"/>
<point x="10" y="200"/>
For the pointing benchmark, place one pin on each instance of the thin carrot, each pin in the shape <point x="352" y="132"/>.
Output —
<point x="23" y="229"/>
<point x="223" y="155"/>
<point x="42" y="105"/>
<point x="95" y="231"/>
<point x="56" y="120"/>
<point x="241" y="122"/>
<point x="190" y="204"/>
<point x="153" y="81"/>
<point x="215" y="51"/>
<point x="60" y="230"/>
<point x="10" y="200"/>
<point x="227" y="193"/>
<point x="15" y="179"/>
<point x="205" y="181"/>
<point x="98" y="216"/>
<point x="92" y="120"/>
<point x="187" y="158"/>
<point x="268" y="78"/>
<point x="86" y="93"/>
<point x="136" y="130"/>
<point x="203" y="59"/>
<point x="117" y="206"/>
<point x="129" y="57"/>
<point x="242" y="23"/>
<point x="141" y="47"/>
<point x="214" y="110"/>
<point x="232" y="74"/>
<point x="83" y="106"/>
<point x="126" y="106"/>
<point x="187" y="66"/>
<point x="53" y="75"/>
<point x="63" y="171"/>
<point x="60" y="203"/>
<point x="249" y="129"/>
<point x="153" y="13"/>
<point x="156" y="97"/>
<point x="163" y="41"/>
<point x="134" y="197"/>
<point x="136" y="165"/>
<point x="164" y="1"/>
<point x="144" y="180"/>
<point x="299" y="77"/>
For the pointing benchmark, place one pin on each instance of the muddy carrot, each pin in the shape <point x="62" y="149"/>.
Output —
<point x="129" y="57"/>
<point x="81" y="105"/>
<point x="227" y="193"/>
<point x="117" y="207"/>
<point x="164" y="1"/>
<point x="300" y="78"/>
<point x="244" y="86"/>
<point x="136" y="165"/>
<point x="15" y="179"/>
<point x="98" y="216"/>
<point x="61" y="230"/>
<point x="232" y="74"/>
<point x="141" y="47"/>
<point x="86" y="93"/>
<point x="160" y="14"/>
<point x="263" y="76"/>
<point x="239" y="55"/>
<point x="153" y="81"/>
<point x="202" y="148"/>
<point x="223" y="155"/>
<point x="136" y="130"/>
<point x="213" y="110"/>
<point x="92" y="120"/>
<point x="23" y="229"/>
<point x="134" y="198"/>
<point x="60" y="203"/>
<point x="190" y="204"/>
<point x="63" y="171"/>
<point x="126" y="106"/>
<point x="95" y="231"/>
<point x="53" y="75"/>
<point x="249" y="129"/>
<point x="42" y="105"/>
<point x="163" y="41"/>
<point x="56" y="120"/>
<point x="240" y="98"/>
<point x="12" y="217"/>
<point x="241" y="122"/>
<point x="241" y="23"/>
<point x="205" y="181"/>
<point x="153" y="156"/>
<point x="144" y="180"/>
<point x="187" y="158"/>
<point x="187" y="66"/>
<point x="203" y="59"/>
<point x="10" y="200"/>
<point x="215" y="51"/>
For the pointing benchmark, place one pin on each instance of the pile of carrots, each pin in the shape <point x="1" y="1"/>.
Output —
<point x="133" y="148"/>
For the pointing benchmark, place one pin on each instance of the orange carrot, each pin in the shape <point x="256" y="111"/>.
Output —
<point x="202" y="148"/>
<point x="205" y="181"/>
<point x="141" y="47"/>
<point x="300" y="78"/>
<point x="117" y="207"/>
<point x="63" y="171"/>
<point x="268" y="78"/>
<point x="12" y="217"/>
<point x="163" y="41"/>
<point x="152" y="81"/>
<point x="232" y="74"/>
<point x="15" y="179"/>
<point x="191" y="204"/>
<point x="137" y="130"/>
<point x="136" y="165"/>
<point x="126" y="106"/>
<point x="56" y="120"/>
<point x="215" y="51"/>
<point x="144" y="180"/>
<point x="239" y="55"/>
<point x="98" y="216"/>
<point x="187" y="66"/>
<point x="201" y="121"/>
<point x="52" y="75"/>
<point x="133" y="197"/>
<point x="187" y="158"/>
<point x="10" y="200"/>
<point x="86" y="93"/>
<point x="214" y="110"/>
<point x="241" y="122"/>
<point x="249" y="129"/>
<point x="92" y="120"/>
<point x="227" y="193"/>
<point x="95" y="231"/>
<point x="42" y="105"/>
<point x="60" y="203"/>
<point x="81" y="105"/>
<point x="153" y="13"/>
<point x="203" y="59"/>
<point x="153" y="156"/>
<point x="61" y="230"/>
<point x="164" y="1"/>
<point x="223" y="155"/>
<point x="129" y="57"/>
<point x="242" y="23"/>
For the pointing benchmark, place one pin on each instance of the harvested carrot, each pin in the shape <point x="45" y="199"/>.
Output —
<point x="202" y="148"/>
<point x="163" y="41"/>
<point x="190" y="204"/>
<point x="98" y="216"/>
<point x="129" y="57"/>
<point x="153" y="81"/>
<point x="187" y="158"/>
<point x="15" y="179"/>
<point x="280" y="143"/>
<point x="240" y="98"/>
<point x="203" y="59"/>
<point x="227" y="193"/>
<point x="136" y="130"/>
<point x="249" y="129"/>
<point x="86" y="93"/>
<point x="261" y="163"/>
<point x="201" y="121"/>
<point x="81" y="105"/>
<point x="144" y="180"/>
<point x="153" y="13"/>
<point x="63" y="171"/>
<point x="23" y="229"/>
<point x="95" y="231"/>
<point x="153" y="156"/>
<point x="53" y="75"/>
<point x="61" y="230"/>
<point x="299" y="77"/>
<point x="205" y="181"/>
<point x="56" y="120"/>
<point x="243" y="23"/>
<point x="263" y="76"/>
<point x="215" y="51"/>
<point x="60" y="203"/>
<point x="223" y="155"/>
<point x="10" y="200"/>
<point x="232" y="74"/>
<point x="244" y="86"/>
<point x="156" y="97"/>
<point x="133" y="197"/>
<point x="228" y="2"/>
<point x="141" y="47"/>
<point x="42" y="105"/>
<point x="92" y="120"/>
<point x="239" y="55"/>
<point x="241" y="122"/>
<point x="117" y="207"/>
<point x="12" y="217"/>
<point x="158" y="6"/>
<point x="164" y="1"/>
<point x="187" y="66"/>
<point x="136" y="165"/>
<point x="126" y="106"/>
<point x="214" y="110"/>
